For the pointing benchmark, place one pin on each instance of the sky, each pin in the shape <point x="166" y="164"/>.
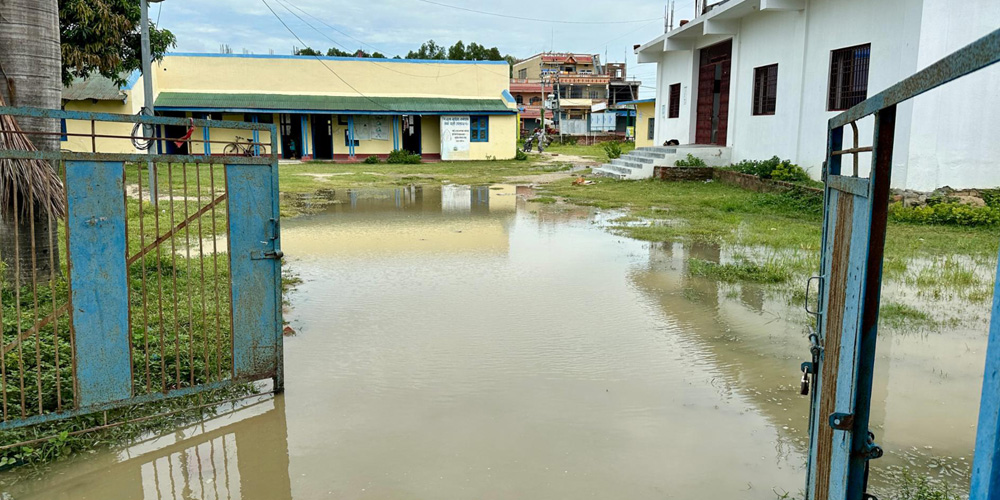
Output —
<point x="398" y="26"/>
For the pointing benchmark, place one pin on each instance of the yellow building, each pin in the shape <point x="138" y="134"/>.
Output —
<point x="645" y="115"/>
<point x="331" y="108"/>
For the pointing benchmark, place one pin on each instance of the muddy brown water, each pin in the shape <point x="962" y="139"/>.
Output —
<point x="461" y="342"/>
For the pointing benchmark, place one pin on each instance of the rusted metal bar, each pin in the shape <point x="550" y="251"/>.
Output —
<point x="184" y="224"/>
<point x="187" y="247"/>
<point x="144" y="119"/>
<point x="12" y="154"/>
<point x="123" y="137"/>
<point x="155" y="188"/>
<point x="973" y="57"/>
<point x="142" y="279"/>
<point x="201" y="264"/>
<point x="215" y="277"/>
<point x="173" y="266"/>
<point x="853" y="151"/>
<point x="17" y="303"/>
<point x="53" y="317"/>
<point x="93" y="136"/>
<point x="34" y="294"/>
<point x="137" y="400"/>
<point x="3" y="356"/>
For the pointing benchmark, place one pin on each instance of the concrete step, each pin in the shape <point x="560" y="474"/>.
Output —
<point x="603" y="171"/>
<point x="661" y="149"/>
<point x="638" y="158"/>
<point x="648" y="154"/>
<point x="626" y="163"/>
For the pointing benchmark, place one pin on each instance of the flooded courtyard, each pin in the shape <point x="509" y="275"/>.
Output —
<point x="457" y="342"/>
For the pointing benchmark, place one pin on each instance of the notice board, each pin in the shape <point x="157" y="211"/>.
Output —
<point x="455" y="135"/>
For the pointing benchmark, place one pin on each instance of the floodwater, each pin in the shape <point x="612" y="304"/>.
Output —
<point x="461" y="343"/>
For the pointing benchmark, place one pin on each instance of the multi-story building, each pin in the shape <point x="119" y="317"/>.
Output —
<point x="751" y="79"/>
<point x="582" y="89"/>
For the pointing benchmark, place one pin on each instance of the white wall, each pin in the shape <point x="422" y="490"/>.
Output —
<point x="956" y="128"/>
<point x="892" y="27"/>
<point x="763" y="39"/>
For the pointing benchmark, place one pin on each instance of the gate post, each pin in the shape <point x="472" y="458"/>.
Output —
<point x="986" y="463"/>
<point x="95" y="230"/>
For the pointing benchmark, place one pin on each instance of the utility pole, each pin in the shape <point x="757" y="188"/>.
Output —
<point x="559" y="106"/>
<point x="147" y="84"/>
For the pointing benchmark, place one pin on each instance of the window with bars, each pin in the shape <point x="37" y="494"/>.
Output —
<point x="848" y="76"/>
<point x="480" y="128"/>
<point x="675" y="101"/>
<point x="649" y="131"/>
<point x="765" y="89"/>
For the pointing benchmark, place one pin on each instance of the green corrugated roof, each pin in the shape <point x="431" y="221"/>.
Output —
<point x="93" y="87"/>
<point x="284" y="102"/>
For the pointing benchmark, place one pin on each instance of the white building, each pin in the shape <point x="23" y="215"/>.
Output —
<point x="762" y="77"/>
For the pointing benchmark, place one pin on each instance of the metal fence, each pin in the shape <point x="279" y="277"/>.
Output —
<point x="843" y="344"/>
<point x="160" y="278"/>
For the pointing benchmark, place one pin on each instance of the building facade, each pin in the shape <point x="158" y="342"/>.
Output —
<point x="763" y="77"/>
<point x="326" y="108"/>
<point x="584" y="90"/>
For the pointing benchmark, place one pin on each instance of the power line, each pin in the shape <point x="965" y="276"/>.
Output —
<point x="282" y="21"/>
<point x="373" y="60"/>
<point x="534" y="18"/>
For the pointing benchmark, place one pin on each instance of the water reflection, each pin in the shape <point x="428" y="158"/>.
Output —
<point x="458" y="342"/>
<point x="242" y="456"/>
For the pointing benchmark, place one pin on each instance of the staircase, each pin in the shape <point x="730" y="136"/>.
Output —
<point x="638" y="164"/>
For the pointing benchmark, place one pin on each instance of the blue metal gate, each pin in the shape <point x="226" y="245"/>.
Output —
<point x="163" y="276"/>
<point x="843" y="344"/>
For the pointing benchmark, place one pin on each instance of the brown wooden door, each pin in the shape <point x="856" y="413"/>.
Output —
<point x="713" y="93"/>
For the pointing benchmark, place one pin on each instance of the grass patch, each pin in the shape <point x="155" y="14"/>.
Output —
<point x="896" y="315"/>
<point x="543" y="199"/>
<point x="592" y="151"/>
<point x="739" y="272"/>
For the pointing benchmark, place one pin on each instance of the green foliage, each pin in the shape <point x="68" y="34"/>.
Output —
<point x="402" y="156"/>
<point x="690" y="161"/>
<point x="566" y="140"/>
<point x="774" y="168"/>
<point x="309" y="51"/>
<point x="373" y="160"/>
<point x="911" y="487"/>
<point x="335" y="52"/>
<point x="613" y="149"/>
<point x="103" y="36"/>
<point x="520" y="155"/>
<point x="991" y="197"/>
<point x="743" y="271"/>
<point x="946" y="213"/>
<point x="899" y="315"/>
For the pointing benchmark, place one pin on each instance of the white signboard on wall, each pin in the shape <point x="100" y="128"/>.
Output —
<point x="455" y="135"/>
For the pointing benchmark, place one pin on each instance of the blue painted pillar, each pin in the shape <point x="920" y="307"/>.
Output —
<point x="255" y="270"/>
<point x="207" y="136"/>
<point x="350" y="136"/>
<point x="305" y="135"/>
<point x="256" y="137"/>
<point x="986" y="464"/>
<point x="395" y="132"/>
<point x="96" y="227"/>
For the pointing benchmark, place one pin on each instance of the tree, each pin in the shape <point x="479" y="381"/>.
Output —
<point x="29" y="76"/>
<point x="308" y="51"/>
<point x="457" y="51"/>
<point x="494" y="55"/>
<point x="105" y="37"/>
<point x="476" y="52"/>
<point x="428" y="50"/>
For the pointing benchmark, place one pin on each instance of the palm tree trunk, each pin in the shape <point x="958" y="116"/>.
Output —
<point x="31" y="61"/>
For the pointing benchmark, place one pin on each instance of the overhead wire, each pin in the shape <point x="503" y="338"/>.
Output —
<point x="373" y="60"/>
<point x="283" y="23"/>
<point x="456" y="7"/>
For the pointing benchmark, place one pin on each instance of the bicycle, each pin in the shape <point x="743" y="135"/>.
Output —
<point x="244" y="147"/>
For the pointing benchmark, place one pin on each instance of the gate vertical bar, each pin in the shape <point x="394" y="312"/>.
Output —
<point x="862" y="448"/>
<point x="99" y="281"/>
<point x="986" y="463"/>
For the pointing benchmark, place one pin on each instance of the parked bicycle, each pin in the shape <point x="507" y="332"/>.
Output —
<point x="244" y="147"/>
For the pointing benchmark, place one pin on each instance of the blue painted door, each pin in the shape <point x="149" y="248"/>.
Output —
<point x="255" y="266"/>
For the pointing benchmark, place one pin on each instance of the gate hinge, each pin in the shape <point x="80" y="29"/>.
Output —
<point x="871" y="450"/>
<point x="842" y="421"/>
